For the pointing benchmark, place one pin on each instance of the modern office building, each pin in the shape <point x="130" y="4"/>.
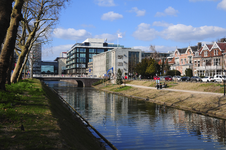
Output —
<point x="62" y="63"/>
<point x="124" y="59"/>
<point x="81" y="54"/>
<point x="48" y="67"/>
<point x="35" y="58"/>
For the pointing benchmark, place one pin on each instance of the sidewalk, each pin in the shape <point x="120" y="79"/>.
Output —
<point x="176" y="90"/>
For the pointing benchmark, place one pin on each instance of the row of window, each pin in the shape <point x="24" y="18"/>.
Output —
<point x="216" y="62"/>
<point x="83" y="50"/>
<point x="215" y="53"/>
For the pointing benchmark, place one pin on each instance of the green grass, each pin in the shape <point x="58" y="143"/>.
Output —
<point x="25" y="103"/>
<point x="121" y="88"/>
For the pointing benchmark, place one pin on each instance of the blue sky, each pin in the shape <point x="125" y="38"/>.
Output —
<point x="167" y="24"/>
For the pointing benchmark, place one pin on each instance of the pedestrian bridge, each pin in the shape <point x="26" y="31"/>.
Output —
<point x="82" y="81"/>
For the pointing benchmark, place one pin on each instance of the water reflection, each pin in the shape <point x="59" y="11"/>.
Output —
<point x="134" y="124"/>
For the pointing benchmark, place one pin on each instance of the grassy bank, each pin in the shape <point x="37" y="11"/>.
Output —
<point x="33" y="117"/>
<point x="206" y="104"/>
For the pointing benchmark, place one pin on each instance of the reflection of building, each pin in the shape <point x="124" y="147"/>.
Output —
<point x="49" y="67"/>
<point x="62" y="63"/>
<point x="124" y="59"/>
<point x="82" y="53"/>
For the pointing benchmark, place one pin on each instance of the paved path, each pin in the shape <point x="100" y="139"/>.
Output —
<point x="176" y="90"/>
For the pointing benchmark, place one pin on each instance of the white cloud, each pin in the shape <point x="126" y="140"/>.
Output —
<point x="145" y="33"/>
<point x="158" y="48"/>
<point x="105" y="3"/>
<point x="111" y="16"/>
<point x="184" y="33"/>
<point x="50" y="53"/>
<point x="109" y="37"/>
<point x="161" y="24"/>
<point x="138" y="12"/>
<point x="222" y="5"/>
<point x="170" y="11"/>
<point x="179" y="33"/>
<point x="71" y="34"/>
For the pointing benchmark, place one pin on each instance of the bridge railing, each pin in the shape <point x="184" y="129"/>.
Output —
<point x="63" y="75"/>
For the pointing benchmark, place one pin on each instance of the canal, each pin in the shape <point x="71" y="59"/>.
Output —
<point x="135" y="124"/>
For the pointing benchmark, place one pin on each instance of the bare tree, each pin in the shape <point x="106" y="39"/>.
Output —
<point x="9" y="43"/>
<point x="5" y="12"/>
<point x="155" y="54"/>
<point x="39" y="17"/>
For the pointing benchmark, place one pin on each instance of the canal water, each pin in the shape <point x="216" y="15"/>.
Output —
<point x="131" y="124"/>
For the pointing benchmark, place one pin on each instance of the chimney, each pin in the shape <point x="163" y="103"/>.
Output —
<point x="199" y="45"/>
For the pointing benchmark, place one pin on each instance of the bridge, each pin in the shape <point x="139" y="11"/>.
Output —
<point x="82" y="81"/>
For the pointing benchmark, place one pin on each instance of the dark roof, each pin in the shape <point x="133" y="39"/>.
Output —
<point x="194" y="48"/>
<point x="182" y="50"/>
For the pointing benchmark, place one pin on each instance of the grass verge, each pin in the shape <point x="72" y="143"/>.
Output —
<point x="32" y="117"/>
<point x="207" y="104"/>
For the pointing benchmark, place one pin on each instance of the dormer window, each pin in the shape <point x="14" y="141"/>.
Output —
<point x="205" y="54"/>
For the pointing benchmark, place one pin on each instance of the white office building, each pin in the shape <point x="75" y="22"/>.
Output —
<point x="124" y="59"/>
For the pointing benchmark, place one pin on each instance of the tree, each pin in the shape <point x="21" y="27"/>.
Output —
<point x="39" y="17"/>
<point x="142" y="66"/>
<point x="188" y="72"/>
<point x="5" y="12"/>
<point x="9" y="43"/>
<point x="119" y="77"/>
<point x="173" y="72"/>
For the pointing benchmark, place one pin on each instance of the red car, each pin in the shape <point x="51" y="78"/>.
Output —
<point x="168" y="78"/>
<point x="156" y="78"/>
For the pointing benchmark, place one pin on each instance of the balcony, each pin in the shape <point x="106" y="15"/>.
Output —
<point x="208" y="68"/>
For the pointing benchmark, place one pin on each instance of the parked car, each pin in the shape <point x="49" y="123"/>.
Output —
<point x="177" y="78"/>
<point x="185" y="78"/>
<point x="170" y="78"/>
<point x="218" y="78"/>
<point x="208" y="79"/>
<point x="195" y="78"/>
<point x="156" y="78"/>
<point x="162" y="78"/>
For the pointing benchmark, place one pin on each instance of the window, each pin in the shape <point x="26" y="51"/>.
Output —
<point x="92" y="50"/>
<point x="205" y="54"/>
<point x="91" y="55"/>
<point x="90" y="60"/>
<point x="82" y="55"/>
<point x="100" y="50"/>
<point x="190" y="59"/>
<point x="82" y="50"/>
<point x="216" y="52"/>
<point x="195" y="63"/>
<point x="120" y="64"/>
<point x="120" y="56"/>
<point x="181" y="61"/>
<point x="198" y="63"/>
<point x="185" y="61"/>
<point x="216" y="62"/>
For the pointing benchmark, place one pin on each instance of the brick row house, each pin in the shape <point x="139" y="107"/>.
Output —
<point x="206" y="60"/>
<point x="210" y="60"/>
<point x="183" y="58"/>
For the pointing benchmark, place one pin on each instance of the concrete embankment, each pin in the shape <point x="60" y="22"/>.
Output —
<point x="190" y="97"/>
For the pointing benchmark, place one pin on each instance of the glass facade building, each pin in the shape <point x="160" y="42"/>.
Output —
<point x="82" y="53"/>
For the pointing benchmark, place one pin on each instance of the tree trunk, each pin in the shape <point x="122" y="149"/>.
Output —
<point x="9" y="43"/>
<point x="23" y="68"/>
<point x="8" y="73"/>
<point x="18" y="66"/>
<point x="5" y="12"/>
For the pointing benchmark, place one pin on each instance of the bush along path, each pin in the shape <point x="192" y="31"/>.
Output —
<point x="33" y="119"/>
